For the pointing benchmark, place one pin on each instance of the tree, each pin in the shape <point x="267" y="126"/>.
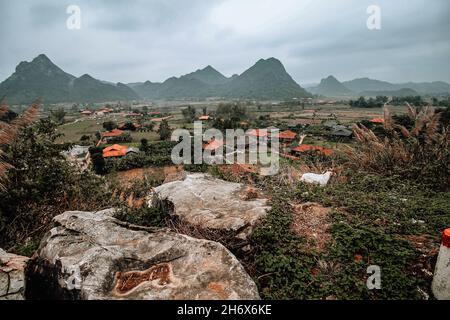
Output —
<point x="205" y="111"/>
<point x="109" y="125"/>
<point x="59" y="115"/>
<point x="85" y="139"/>
<point x="149" y="126"/>
<point x="75" y="108"/>
<point x="164" y="130"/>
<point x="40" y="184"/>
<point x="229" y="116"/>
<point x="189" y="114"/>
<point x="98" y="162"/>
<point x="144" y="145"/>
<point x="129" y="126"/>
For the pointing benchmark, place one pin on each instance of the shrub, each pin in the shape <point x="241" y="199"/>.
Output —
<point x="41" y="184"/>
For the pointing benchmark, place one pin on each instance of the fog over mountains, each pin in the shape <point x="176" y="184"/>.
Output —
<point x="267" y="79"/>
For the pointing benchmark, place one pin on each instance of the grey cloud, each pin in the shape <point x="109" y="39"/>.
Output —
<point x="141" y="40"/>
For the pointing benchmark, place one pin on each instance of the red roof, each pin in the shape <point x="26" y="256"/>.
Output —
<point x="203" y="118"/>
<point x="113" y="133"/>
<point x="115" y="150"/>
<point x="86" y="112"/>
<point x="377" y="120"/>
<point x="287" y="135"/>
<point x="308" y="147"/>
<point x="213" y="145"/>
<point x="258" y="133"/>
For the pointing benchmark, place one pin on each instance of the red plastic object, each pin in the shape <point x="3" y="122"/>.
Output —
<point x="446" y="238"/>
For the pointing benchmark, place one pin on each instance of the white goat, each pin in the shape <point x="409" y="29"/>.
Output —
<point x="321" y="179"/>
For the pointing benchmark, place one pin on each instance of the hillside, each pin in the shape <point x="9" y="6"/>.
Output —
<point x="363" y="85"/>
<point x="208" y="75"/>
<point x="366" y="84"/>
<point x="405" y="92"/>
<point x="41" y="78"/>
<point x="267" y="79"/>
<point x="38" y="78"/>
<point x="331" y="87"/>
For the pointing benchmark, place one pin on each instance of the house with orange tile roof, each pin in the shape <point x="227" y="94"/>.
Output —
<point x="204" y="118"/>
<point x="287" y="135"/>
<point x="113" y="133"/>
<point x="86" y="112"/>
<point x="115" y="150"/>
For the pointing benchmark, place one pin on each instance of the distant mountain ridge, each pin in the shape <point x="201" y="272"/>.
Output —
<point x="331" y="87"/>
<point x="404" y="92"/>
<point x="267" y="79"/>
<point x="41" y="78"/>
<point x="366" y="84"/>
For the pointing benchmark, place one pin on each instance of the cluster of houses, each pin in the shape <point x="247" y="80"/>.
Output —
<point x="291" y="144"/>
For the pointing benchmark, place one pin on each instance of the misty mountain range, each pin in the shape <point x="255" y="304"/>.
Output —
<point x="266" y="79"/>
<point x="331" y="87"/>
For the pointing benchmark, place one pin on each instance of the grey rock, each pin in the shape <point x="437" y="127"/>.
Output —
<point x="12" y="276"/>
<point x="203" y="201"/>
<point x="92" y="255"/>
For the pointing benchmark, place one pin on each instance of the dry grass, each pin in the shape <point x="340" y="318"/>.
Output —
<point x="9" y="131"/>
<point x="422" y="151"/>
<point x="312" y="221"/>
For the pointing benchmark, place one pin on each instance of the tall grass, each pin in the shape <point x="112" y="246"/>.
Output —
<point x="420" y="153"/>
<point x="9" y="132"/>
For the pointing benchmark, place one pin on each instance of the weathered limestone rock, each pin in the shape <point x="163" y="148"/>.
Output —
<point x="92" y="255"/>
<point x="209" y="203"/>
<point x="12" y="277"/>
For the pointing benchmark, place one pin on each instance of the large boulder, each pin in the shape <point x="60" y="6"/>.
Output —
<point x="205" y="202"/>
<point x="12" y="277"/>
<point x="92" y="255"/>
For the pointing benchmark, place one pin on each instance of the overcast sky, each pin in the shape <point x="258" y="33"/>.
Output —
<point x="137" y="40"/>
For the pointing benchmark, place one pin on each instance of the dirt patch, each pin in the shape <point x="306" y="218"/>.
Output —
<point x="151" y="173"/>
<point x="127" y="281"/>
<point x="250" y="193"/>
<point x="312" y="221"/>
<point x="174" y="175"/>
<point x="238" y="171"/>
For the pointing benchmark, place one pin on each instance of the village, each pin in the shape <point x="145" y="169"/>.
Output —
<point x="122" y="133"/>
